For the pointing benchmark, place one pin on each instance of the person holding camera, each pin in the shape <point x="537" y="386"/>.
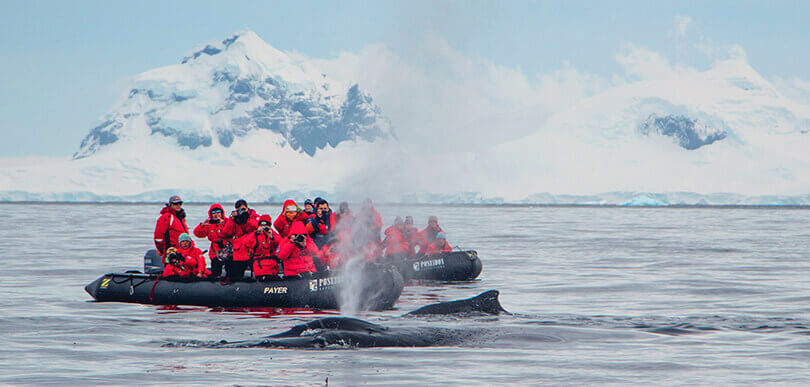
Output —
<point x="177" y="265"/>
<point x="296" y="251"/>
<point x="260" y="246"/>
<point x="320" y="226"/>
<point x="211" y="229"/>
<point x="290" y="213"/>
<point x="186" y="260"/>
<point x="243" y="220"/>
<point x="170" y="224"/>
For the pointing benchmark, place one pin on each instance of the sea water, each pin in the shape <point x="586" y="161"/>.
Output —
<point x="599" y="295"/>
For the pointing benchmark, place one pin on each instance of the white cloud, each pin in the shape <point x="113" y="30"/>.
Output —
<point x="732" y="51"/>
<point x="429" y="88"/>
<point x="681" y="24"/>
<point x="643" y="63"/>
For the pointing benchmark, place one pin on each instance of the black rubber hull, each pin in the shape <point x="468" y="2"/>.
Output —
<point x="453" y="266"/>
<point x="379" y="291"/>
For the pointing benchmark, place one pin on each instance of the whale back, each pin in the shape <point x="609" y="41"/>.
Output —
<point x="486" y="302"/>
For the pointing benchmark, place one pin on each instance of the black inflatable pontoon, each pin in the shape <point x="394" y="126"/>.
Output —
<point x="379" y="290"/>
<point x="453" y="266"/>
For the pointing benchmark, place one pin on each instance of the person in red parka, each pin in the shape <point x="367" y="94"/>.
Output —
<point x="428" y="235"/>
<point x="261" y="246"/>
<point x="296" y="251"/>
<point x="289" y="213"/>
<point x="211" y="229"/>
<point x="331" y="254"/>
<point x="411" y="235"/>
<point x="243" y="221"/>
<point x="321" y="225"/>
<point x="178" y="265"/>
<point x="170" y="224"/>
<point x="395" y="242"/>
<point x="192" y="254"/>
<point x="439" y="245"/>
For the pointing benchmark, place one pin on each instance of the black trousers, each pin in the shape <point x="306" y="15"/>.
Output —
<point x="233" y="269"/>
<point x="236" y="269"/>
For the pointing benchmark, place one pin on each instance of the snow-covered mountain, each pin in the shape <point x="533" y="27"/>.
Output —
<point x="725" y="129"/>
<point x="231" y="88"/>
<point x="230" y="117"/>
<point x="238" y="117"/>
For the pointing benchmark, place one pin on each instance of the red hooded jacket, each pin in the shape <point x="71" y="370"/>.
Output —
<point x="295" y="259"/>
<point x="428" y="236"/>
<point x="233" y="230"/>
<point x="192" y="252"/>
<point x="395" y="242"/>
<point x="189" y="267"/>
<point x="438" y="246"/>
<point x="168" y="229"/>
<point x="212" y="231"/>
<point x="282" y="224"/>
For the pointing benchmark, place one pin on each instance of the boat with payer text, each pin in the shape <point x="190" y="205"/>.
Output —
<point x="379" y="290"/>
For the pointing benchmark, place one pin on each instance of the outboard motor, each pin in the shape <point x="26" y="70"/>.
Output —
<point x="152" y="262"/>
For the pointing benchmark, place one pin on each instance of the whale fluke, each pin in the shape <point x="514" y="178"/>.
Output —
<point x="486" y="302"/>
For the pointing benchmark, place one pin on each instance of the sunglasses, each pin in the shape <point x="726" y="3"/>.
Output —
<point x="216" y="212"/>
<point x="180" y="203"/>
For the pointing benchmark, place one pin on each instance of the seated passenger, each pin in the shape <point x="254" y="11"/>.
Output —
<point x="428" y="235"/>
<point x="290" y="213"/>
<point x="211" y="229"/>
<point x="170" y="224"/>
<point x="395" y="242"/>
<point x="411" y="235"/>
<point x="320" y="225"/>
<point x="344" y="214"/>
<point x="309" y="208"/>
<point x="177" y="264"/>
<point x="296" y="251"/>
<point x="331" y="256"/>
<point x="192" y="253"/>
<point x="439" y="245"/>
<point x="261" y="246"/>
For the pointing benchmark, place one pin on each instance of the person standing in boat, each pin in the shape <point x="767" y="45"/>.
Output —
<point x="241" y="205"/>
<point x="211" y="229"/>
<point x="320" y="225"/>
<point x="296" y="251"/>
<point x="439" y="245"/>
<point x="260" y="246"/>
<point x="290" y="213"/>
<point x="243" y="221"/>
<point x="170" y="224"/>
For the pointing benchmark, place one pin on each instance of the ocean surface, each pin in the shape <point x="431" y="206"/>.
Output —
<point x="695" y="296"/>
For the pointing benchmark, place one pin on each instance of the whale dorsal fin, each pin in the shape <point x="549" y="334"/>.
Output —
<point x="486" y="302"/>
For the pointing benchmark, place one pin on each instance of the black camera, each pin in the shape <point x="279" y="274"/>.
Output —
<point x="300" y="238"/>
<point x="241" y="216"/>
<point x="176" y="259"/>
<point x="213" y="221"/>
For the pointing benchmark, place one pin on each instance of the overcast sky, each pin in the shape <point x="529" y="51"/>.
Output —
<point x="62" y="64"/>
